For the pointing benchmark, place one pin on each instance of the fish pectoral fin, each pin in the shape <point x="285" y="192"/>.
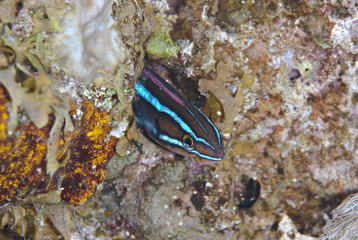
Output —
<point x="150" y="129"/>
<point x="145" y="121"/>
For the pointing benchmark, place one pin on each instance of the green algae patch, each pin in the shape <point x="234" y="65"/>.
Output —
<point x="161" y="44"/>
<point x="43" y="24"/>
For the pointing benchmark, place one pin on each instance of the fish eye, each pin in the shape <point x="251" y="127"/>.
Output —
<point x="188" y="142"/>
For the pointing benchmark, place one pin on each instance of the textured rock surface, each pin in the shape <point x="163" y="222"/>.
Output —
<point x="344" y="224"/>
<point x="279" y="78"/>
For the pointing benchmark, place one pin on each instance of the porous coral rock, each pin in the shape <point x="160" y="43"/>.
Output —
<point x="7" y="10"/>
<point x="89" y="31"/>
<point x="282" y="130"/>
<point x="100" y="35"/>
<point x="343" y="224"/>
<point x="35" y="124"/>
<point x="297" y="136"/>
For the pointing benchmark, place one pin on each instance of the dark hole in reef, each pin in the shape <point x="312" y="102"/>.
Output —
<point x="222" y="200"/>
<point x="139" y="146"/>
<point x="8" y="233"/>
<point x="178" y="202"/>
<point x="271" y="7"/>
<point x="355" y="98"/>
<point x="198" y="201"/>
<point x="251" y="194"/>
<point x="280" y="170"/>
<point x="198" y="198"/>
<point x="19" y="6"/>
<point x="311" y="99"/>
<point x="294" y="74"/>
<point x="274" y="226"/>
<point x="175" y="6"/>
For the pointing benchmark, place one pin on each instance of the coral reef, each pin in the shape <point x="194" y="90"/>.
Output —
<point x="80" y="161"/>
<point x="344" y="224"/>
<point x="279" y="78"/>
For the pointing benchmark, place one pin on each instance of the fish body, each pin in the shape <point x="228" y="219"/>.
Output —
<point x="170" y="120"/>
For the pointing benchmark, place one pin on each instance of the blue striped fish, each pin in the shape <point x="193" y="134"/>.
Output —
<point x="166" y="117"/>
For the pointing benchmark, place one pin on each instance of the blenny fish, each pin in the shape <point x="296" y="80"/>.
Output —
<point x="167" y="118"/>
